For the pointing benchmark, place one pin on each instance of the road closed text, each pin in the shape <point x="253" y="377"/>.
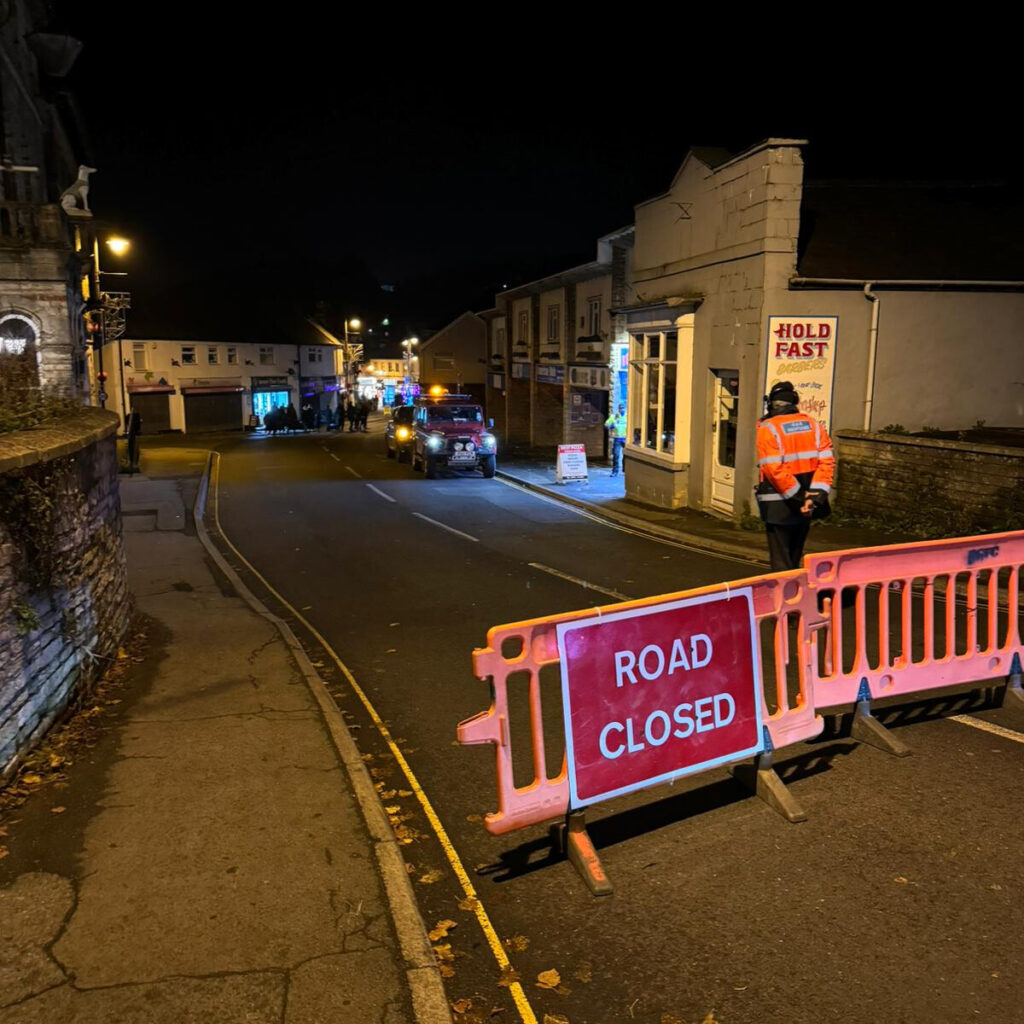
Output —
<point x="702" y="715"/>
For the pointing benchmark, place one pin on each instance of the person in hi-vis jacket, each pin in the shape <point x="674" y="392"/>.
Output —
<point x="797" y="466"/>
<point x="616" y="427"/>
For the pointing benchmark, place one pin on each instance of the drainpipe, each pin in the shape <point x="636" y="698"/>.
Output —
<point x="869" y="394"/>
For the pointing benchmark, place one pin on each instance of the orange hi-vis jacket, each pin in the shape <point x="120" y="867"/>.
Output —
<point x="794" y="454"/>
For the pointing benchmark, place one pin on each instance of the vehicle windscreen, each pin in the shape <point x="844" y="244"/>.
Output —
<point x="455" y="414"/>
<point x="404" y="414"/>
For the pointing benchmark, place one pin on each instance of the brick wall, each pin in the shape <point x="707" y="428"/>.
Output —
<point x="63" y="588"/>
<point x="922" y="479"/>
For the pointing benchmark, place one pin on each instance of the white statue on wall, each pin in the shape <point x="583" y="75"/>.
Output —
<point x="78" y="193"/>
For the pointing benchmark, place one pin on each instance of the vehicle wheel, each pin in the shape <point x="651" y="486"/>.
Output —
<point x="487" y="465"/>
<point x="431" y="468"/>
<point x="391" y="452"/>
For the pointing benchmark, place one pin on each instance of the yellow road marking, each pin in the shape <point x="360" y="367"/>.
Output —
<point x="516" y="989"/>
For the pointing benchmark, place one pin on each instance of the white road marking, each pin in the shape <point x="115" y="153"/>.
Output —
<point x="579" y="582"/>
<point x="353" y="472"/>
<point x="450" y="529"/>
<point x="377" y="490"/>
<point x="997" y="730"/>
<point x="333" y="456"/>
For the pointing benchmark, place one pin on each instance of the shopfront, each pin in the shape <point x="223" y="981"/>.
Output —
<point x="269" y="393"/>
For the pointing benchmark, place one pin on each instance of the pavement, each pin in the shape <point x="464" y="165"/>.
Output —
<point x="604" y="495"/>
<point x="225" y="856"/>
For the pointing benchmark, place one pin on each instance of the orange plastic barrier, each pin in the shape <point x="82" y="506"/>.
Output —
<point x="786" y="612"/>
<point x="926" y="615"/>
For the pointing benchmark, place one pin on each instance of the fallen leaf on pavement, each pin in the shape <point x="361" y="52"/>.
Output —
<point x="474" y="817"/>
<point x="900" y="879"/>
<point x="555" y="1018"/>
<point x="444" y="953"/>
<point x="509" y="976"/>
<point x="518" y="944"/>
<point x="584" y="973"/>
<point x="393" y="809"/>
<point x="462" y="1005"/>
<point x="549" y="979"/>
<point x="429" y="877"/>
<point x="389" y="795"/>
<point x="57" y="810"/>
<point x="3" y="852"/>
<point x="405" y="792"/>
<point x="31" y="779"/>
<point x="710" y="1018"/>
<point x="441" y="929"/>
<point x="470" y="903"/>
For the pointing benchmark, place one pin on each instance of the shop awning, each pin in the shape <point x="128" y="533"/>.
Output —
<point x="213" y="389"/>
<point x="150" y="389"/>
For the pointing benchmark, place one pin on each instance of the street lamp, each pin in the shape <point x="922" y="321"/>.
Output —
<point x="354" y="324"/>
<point x="112" y="306"/>
<point x="409" y="344"/>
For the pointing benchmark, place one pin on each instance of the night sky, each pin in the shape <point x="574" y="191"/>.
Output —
<point x="275" y="170"/>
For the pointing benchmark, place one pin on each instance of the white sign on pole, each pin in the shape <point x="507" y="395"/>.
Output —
<point x="802" y="350"/>
<point x="571" y="464"/>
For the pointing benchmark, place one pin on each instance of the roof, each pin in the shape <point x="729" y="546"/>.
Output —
<point x="925" y="231"/>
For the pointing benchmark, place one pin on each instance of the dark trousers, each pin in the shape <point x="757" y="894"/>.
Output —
<point x="786" y="545"/>
<point x="618" y="443"/>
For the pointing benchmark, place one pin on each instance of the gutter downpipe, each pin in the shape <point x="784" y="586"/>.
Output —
<point x="869" y="394"/>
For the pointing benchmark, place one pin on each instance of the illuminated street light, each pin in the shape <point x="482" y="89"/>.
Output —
<point x="409" y="344"/>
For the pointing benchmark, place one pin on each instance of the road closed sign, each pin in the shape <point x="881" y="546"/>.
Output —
<point x="653" y="693"/>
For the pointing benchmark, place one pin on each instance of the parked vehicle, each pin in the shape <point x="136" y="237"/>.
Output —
<point x="400" y="432"/>
<point x="450" y="433"/>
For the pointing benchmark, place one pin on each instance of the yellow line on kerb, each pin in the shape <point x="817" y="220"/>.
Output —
<point x="518" y="995"/>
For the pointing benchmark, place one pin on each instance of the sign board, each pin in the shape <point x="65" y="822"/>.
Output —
<point x="571" y="463"/>
<point x="654" y="693"/>
<point x="550" y="373"/>
<point x="802" y="350"/>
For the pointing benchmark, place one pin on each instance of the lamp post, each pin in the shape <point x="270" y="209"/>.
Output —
<point x="409" y="344"/>
<point x="111" y="310"/>
<point x="355" y="324"/>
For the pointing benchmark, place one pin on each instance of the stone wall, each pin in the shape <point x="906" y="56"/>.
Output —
<point x="63" y="589"/>
<point x="937" y="483"/>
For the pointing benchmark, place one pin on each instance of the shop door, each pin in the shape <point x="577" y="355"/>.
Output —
<point x="213" y="412"/>
<point x="154" y="412"/>
<point x="723" y="440"/>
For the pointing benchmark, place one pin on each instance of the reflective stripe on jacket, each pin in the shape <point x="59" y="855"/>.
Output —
<point x="794" y="453"/>
<point x="616" y="424"/>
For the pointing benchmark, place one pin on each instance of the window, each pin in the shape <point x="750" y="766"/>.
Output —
<point x="594" y="316"/>
<point x="266" y="355"/>
<point x="188" y="355"/>
<point x="444" y="362"/>
<point x="653" y="372"/>
<point x="523" y="329"/>
<point x="18" y="334"/>
<point x="554" y="315"/>
<point x="315" y="355"/>
<point x="232" y="356"/>
<point x="139" y="358"/>
<point x="212" y="355"/>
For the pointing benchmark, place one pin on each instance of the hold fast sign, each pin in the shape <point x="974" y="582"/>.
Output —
<point x="651" y="694"/>
<point x="802" y="350"/>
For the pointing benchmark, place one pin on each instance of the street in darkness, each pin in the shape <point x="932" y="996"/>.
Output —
<point x="892" y="901"/>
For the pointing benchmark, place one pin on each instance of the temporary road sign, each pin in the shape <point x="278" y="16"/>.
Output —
<point x="653" y="693"/>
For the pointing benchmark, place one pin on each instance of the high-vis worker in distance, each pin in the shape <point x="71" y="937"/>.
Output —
<point x="797" y="466"/>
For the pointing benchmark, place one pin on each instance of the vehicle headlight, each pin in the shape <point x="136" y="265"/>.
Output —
<point x="488" y="441"/>
<point x="434" y="442"/>
<point x="402" y="433"/>
<point x="470" y="446"/>
<point x="458" y="446"/>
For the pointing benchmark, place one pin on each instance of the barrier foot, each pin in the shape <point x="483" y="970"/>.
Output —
<point x="763" y="781"/>
<point x="1013" y="692"/>
<point x="575" y="843"/>
<point x="868" y="729"/>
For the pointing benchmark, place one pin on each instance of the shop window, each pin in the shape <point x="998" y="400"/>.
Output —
<point x="654" y="373"/>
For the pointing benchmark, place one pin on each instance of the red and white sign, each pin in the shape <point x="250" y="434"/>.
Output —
<point x="571" y="463"/>
<point x="654" y="693"/>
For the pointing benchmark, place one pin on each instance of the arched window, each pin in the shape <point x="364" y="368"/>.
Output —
<point x="18" y="334"/>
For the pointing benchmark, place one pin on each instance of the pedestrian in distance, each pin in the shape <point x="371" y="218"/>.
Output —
<point x="616" y="427"/>
<point x="364" y="413"/>
<point x="797" y="467"/>
<point x="353" y="416"/>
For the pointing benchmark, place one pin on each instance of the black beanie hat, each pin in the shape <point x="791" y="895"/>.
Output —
<point x="783" y="392"/>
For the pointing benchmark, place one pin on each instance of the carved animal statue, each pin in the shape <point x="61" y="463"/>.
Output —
<point x="78" y="192"/>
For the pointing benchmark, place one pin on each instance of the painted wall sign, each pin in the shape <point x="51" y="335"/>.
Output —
<point x="802" y="350"/>
<point x="653" y="693"/>
<point x="550" y="373"/>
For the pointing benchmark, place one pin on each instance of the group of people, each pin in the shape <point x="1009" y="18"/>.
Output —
<point x="796" y="467"/>
<point x="354" y="412"/>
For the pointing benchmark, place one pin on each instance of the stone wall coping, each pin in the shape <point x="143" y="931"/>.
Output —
<point x="56" y="439"/>
<point x="967" y="447"/>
